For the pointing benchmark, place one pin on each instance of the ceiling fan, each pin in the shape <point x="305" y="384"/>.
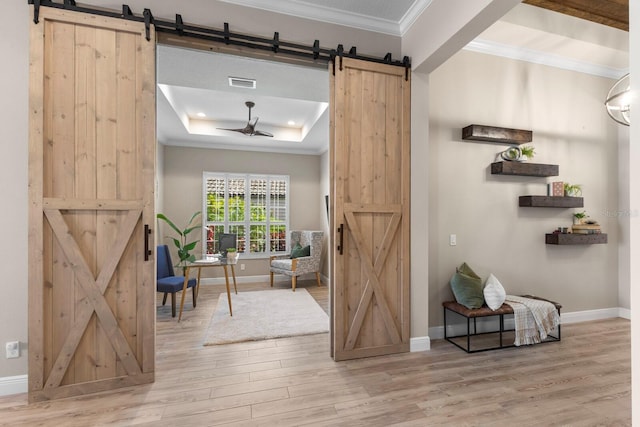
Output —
<point x="250" y="128"/>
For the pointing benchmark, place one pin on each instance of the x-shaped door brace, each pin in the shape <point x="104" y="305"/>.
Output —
<point x="372" y="271"/>
<point x="94" y="289"/>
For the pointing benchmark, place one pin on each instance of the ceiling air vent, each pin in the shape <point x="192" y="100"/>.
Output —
<point x="242" y="82"/>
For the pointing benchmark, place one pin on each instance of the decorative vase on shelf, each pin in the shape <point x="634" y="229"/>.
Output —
<point x="511" y="154"/>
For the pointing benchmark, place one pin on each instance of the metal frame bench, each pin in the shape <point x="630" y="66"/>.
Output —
<point x="485" y="312"/>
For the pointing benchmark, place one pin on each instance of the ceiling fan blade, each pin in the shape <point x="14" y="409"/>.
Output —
<point x="241" y="130"/>
<point x="250" y="128"/>
<point x="255" y="132"/>
<point x="261" y="133"/>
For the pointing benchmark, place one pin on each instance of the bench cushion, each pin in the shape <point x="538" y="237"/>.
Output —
<point x="477" y="312"/>
<point x="486" y="311"/>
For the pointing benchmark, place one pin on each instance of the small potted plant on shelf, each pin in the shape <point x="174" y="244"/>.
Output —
<point x="572" y="190"/>
<point x="579" y="217"/>
<point x="528" y="151"/>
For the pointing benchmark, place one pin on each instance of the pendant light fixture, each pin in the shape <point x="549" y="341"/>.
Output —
<point x="619" y="100"/>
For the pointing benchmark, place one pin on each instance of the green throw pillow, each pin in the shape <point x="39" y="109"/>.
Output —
<point x="467" y="287"/>
<point x="299" y="251"/>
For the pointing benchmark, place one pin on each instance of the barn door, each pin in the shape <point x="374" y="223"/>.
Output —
<point x="91" y="179"/>
<point x="370" y="179"/>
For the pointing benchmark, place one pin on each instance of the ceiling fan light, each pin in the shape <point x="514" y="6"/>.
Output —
<point x="242" y="82"/>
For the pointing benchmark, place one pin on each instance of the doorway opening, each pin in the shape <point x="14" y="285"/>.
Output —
<point x="197" y="94"/>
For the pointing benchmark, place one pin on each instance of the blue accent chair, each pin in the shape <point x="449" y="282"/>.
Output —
<point x="167" y="281"/>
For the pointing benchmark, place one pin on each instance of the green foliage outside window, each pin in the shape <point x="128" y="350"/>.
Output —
<point x="257" y="232"/>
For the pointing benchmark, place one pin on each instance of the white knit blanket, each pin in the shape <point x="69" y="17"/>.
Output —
<point x="534" y="319"/>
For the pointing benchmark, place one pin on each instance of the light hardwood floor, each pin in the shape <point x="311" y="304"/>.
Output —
<point x="582" y="381"/>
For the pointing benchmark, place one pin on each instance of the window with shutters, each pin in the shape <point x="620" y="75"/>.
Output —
<point x="253" y="207"/>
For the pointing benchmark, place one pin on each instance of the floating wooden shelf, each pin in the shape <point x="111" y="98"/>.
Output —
<point x="524" y="169"/>
<point x="575" y="239"/>
<point x="550" y="202"/>
<point x="496" y="135"/>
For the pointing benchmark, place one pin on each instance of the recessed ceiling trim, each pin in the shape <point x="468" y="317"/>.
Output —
<point x="325" y="14"/>
<point x="543" y="58"/>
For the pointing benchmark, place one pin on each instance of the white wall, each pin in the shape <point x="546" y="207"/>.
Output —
<point x="14" y="76"/>
<point x="570" y="128"/>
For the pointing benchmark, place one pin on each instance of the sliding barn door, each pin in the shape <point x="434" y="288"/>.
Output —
<point x="371" y="183"/>
<point x="91" y="179"/>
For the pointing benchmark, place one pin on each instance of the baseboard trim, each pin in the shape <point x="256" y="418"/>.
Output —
<point x="585" y="316"/>
<point x="437" y="332"/>
<point x="419" y="344"/>
<point x="14" y="385"/>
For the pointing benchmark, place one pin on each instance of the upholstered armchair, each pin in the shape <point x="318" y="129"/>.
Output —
<point x="299" y="265"/>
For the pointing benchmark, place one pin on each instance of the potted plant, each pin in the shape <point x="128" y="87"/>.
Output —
<point x="572" y="190"/>
<point x="579" y="217"/>
<point x="232" y="254"/>
<point x="528" y="151"/>
<point x="184" y="247"/>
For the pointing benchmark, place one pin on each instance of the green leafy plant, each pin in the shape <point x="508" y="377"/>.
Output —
<point x="572" y="190"/>
<point x="184" y="247"/>
<point x="528" y="150"/>
<point x="580" y="215"/>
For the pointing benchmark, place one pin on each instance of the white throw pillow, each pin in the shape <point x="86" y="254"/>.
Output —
<point x="494" y="293"/>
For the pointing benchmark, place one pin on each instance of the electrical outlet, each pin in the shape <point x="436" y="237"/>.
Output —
<point x="13" y="349"/>
<point x="241" y="267"/>
<point x="453" y="240"/>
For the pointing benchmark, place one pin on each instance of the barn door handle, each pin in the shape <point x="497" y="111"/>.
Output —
<point x="147" y="233"/>
<point x="341" y="231"/>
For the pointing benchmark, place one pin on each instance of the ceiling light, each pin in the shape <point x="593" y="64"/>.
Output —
<point x="242" y="82"/>
<point x="201" y="115"/>
<point x="291" y="123"/>
<point x="618" y="101"/>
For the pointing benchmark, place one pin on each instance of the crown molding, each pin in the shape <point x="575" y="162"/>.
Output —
<point x="412" y="14"/>
<point x="326" y="14"/>
<point x="543" y="58"/>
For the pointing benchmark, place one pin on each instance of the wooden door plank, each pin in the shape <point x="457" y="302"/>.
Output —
<point x="81" y="204"/>
<point x="61" y="93"/>
<point x="352" y="146"/>
<point x="127" y="161"/>
<point x="37" y="238"/>
<point x="404" y="258"/>
<point x="85" y="185"/>
<point x="146" y="135"/>
<point x="382" y="175"/>
<point x="107" y="104"/>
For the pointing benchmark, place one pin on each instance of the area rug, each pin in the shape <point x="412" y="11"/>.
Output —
<point x="260" y="315"/>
